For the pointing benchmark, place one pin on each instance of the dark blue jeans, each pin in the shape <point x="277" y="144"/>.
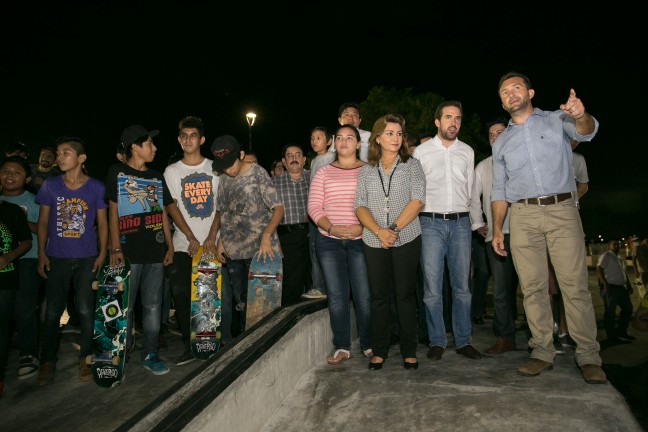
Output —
<point x="147" y="280"/>
<point x="27" y="306"/>
<point x="66" y="272"/>
<point x="317" y="276"/>
<point x="234" y="292"/>
<point x="345" y="272"/>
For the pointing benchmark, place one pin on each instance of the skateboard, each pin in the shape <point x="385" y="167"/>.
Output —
<point x="206" y="273"/>
<point x="110" y="324"/>
<point x="264" y="288"/>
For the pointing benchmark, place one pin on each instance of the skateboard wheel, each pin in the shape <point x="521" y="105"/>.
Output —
<point x="279" y="277"/>
<point x="88" y="359"/>
<point x="95" y="285"/>
<point x="250" y="275"/>
<point x="116" y="360"/>
<point x="120" y="286"/>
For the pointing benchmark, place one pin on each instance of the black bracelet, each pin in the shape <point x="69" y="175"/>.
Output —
<point x="329" y="229"/>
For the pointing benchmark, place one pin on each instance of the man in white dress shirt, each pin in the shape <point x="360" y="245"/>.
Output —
<point x="448" y="164"/>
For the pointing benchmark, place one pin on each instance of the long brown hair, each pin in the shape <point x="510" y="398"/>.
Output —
<point x="375" y="151"/>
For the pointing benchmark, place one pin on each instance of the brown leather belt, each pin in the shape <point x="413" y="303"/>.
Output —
<point x="547" y="200"/>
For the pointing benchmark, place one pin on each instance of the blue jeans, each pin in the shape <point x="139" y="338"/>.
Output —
<point x="234" y="293"/>
<point x="505" y="282"/>
<point x="451" y="239"/>
<point x="345" y="273"/>
<point x="317" y="276"/>
<point x="66" y="272"/>
<point x="27" y="306"/>
<point x="147" y="280"/>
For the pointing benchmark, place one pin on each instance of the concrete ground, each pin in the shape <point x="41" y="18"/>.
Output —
<point x="289" y="349"/>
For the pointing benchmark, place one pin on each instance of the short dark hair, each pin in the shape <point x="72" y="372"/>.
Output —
<point x="439" y="109"/>
<point x="497" y="120"/>
<point x="20" y="161"/>
<point x="285" y="148"/>
<point x="513" y="74"/>
<point x="192" y="122"/>
<point x="324" y="130"/>
<point x="17" y="147"/>
<point x="346" y="105"/>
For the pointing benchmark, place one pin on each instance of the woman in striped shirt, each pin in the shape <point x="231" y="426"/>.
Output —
<point x="339" y="244"/>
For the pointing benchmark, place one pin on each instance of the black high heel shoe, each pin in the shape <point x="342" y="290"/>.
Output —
<point x="376" y="366"/>
<point x="407" y="365"/>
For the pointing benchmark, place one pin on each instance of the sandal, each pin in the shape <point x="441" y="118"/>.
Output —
<point x="339" y="357"/>
<point x="368" y="353"/>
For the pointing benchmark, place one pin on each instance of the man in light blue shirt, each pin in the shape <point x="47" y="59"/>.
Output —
<point x="532" y="172"/>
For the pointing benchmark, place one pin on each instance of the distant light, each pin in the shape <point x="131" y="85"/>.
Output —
<point x="250" y="117"/>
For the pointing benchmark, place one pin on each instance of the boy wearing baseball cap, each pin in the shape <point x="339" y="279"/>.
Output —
<point x="139" y="229"/>
<point x="248" y="211"/>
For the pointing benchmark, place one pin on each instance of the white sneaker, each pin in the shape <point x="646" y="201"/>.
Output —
<point x="27" y="366"/>
<point x="313" y="294"/>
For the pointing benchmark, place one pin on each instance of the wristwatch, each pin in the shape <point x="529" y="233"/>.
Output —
<point x="394" y="227"/>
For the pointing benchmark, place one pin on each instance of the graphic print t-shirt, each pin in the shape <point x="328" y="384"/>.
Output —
<point x="194" y="190"/>
<point x="140" y="197"/>
<point x="26" y="202"/>
<point x="70" y="227"/>
<point x="13" y="230"/>
<point x="246" y="203"/>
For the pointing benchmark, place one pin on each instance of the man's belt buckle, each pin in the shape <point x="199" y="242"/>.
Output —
<point x="540" y="198"/>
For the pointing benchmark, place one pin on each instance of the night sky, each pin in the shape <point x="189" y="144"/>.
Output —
<point x="92" y="68"/>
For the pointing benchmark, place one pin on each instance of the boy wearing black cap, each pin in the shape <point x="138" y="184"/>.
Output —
<point x="248" y="211"/>
<point x="139" y="229"/>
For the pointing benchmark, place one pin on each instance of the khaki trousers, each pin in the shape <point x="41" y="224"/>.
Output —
<point x="556" y="229"/>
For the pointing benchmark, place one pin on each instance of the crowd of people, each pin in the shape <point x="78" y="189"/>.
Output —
<point x="405" y="229"/>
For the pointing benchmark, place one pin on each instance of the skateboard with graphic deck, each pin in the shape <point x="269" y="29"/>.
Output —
<point x="206" y="272"/>
<point x="264" y="288"/>
<point x="110" y="324"/>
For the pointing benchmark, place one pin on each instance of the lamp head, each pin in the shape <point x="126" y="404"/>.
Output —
<point x="250" y="117"/>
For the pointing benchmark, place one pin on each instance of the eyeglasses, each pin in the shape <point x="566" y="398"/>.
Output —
<point x="294" y="156"/>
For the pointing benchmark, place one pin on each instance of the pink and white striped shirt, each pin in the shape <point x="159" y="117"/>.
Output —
<point x="332" y="192"/>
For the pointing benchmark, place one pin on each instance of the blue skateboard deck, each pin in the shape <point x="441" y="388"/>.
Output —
<point x="264" y="288"/>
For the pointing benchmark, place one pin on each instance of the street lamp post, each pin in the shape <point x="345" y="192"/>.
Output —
<point x="250" y="117"/>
